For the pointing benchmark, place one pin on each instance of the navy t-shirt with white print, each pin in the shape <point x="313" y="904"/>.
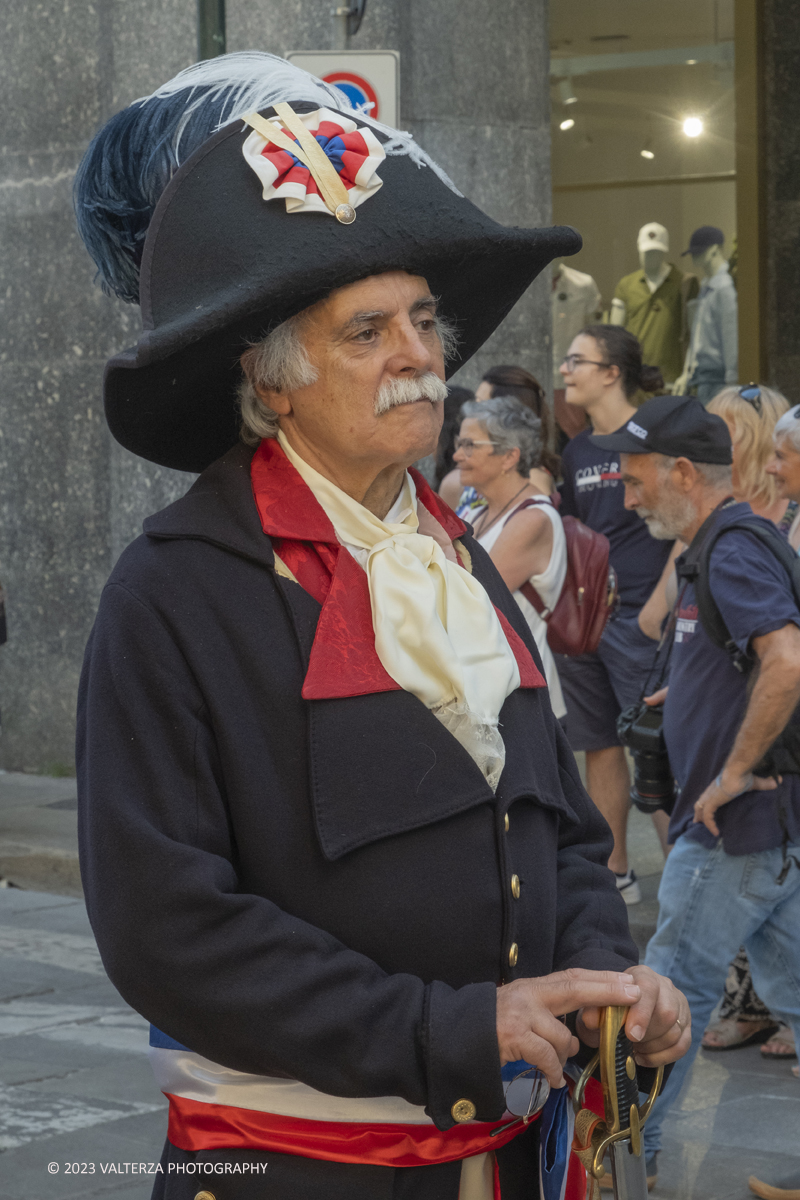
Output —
<point x="707" y="696"/>
<point x="594" y="492"/>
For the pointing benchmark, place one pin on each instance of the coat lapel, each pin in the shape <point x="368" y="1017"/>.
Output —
<point x="343" y="660"/>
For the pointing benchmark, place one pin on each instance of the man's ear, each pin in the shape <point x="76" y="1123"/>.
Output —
<point x="686" y="472"/>
<point x="279" y="401"/>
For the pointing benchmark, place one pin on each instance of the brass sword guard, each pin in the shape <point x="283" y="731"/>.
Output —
<point x="616" y="1124"/>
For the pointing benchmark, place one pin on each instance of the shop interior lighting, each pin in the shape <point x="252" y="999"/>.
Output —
<point x="691" y="62"/>
<point x="566" y="92"/>
<point x="693" y="127"/>
<point x="565" y="125"/>
<point x="646" y="152"/>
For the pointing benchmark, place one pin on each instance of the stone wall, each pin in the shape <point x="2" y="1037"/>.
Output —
<point x="70" y="499"/>
<point x="474" y="91"/>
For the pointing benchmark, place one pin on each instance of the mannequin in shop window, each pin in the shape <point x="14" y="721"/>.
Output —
<point x="576" y="303"/>
<point x="653" y="303"/>
<point x="712" y="358"/>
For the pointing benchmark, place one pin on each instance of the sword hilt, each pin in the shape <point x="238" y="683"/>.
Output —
<point x="624" y="1117"/>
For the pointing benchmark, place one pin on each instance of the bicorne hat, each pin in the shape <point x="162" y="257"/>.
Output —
<point x="207" y="204"/>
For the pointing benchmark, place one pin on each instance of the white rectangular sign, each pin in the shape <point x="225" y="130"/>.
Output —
<point x="369" y="78"/>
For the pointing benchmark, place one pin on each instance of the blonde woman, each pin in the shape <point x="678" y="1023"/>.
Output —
<point x="751" y="414"/>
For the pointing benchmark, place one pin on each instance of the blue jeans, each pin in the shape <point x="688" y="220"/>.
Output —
<point x="710" y="904"/>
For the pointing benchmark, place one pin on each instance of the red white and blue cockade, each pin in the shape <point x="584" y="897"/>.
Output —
<point x="353" y="150"/>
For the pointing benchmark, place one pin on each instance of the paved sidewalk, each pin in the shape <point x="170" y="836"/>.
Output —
<point x="39" y="834"/>
<point x="75" y="1083"/>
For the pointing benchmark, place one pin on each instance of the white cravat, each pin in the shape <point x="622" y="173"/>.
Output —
<point x="436" y="631"/>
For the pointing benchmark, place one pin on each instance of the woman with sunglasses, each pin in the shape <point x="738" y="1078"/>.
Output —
<point x="751" y="414"/>
<point x="603" y="374"/>
<point x="499" y="445"/>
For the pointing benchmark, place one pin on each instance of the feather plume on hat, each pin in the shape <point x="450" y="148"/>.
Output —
<point x="136" y="153"/>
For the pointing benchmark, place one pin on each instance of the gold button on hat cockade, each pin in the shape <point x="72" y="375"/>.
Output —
<point x="462" y="1111"/>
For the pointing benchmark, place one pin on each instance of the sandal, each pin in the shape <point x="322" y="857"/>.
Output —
<point x="730" y="1034"/>
<point x="780" y="1044"/>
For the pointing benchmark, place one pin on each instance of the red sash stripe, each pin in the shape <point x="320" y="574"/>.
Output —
<point x="194" y="1125"/>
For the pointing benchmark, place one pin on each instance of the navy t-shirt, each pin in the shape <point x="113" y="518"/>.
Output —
<point x="707" y="696"/>
<point x="593" y="491"/>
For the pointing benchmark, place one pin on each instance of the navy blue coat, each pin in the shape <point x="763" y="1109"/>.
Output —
<point x="316" y="889"/>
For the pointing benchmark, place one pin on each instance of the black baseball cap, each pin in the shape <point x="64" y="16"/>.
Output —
<point x="702" y="238"/>
<point x="677" y="426"/>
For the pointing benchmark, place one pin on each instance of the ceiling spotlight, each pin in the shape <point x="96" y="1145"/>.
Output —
<point x="567" y="124"/>
<point x="566" y="92"/>
<point x="647" y="154"/>
<point x="693" y="127"/>
<point x="691" y="62"/>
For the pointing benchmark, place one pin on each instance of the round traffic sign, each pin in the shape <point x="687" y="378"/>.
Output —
<point x="359" y="91"/>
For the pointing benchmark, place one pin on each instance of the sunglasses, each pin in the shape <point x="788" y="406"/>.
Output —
<point x="526" y="1095"/>
<point x="752" y="394"/>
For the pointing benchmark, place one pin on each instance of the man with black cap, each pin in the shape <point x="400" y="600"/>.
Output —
<point x="334" y="845"/>
<point x="712" y="357"/>
<point x="733" y="876"/>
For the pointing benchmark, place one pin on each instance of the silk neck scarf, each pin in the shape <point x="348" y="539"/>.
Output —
<point x="436" y="631"/>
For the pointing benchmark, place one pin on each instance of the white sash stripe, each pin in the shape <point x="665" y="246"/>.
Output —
<point x="182" y="1073"/>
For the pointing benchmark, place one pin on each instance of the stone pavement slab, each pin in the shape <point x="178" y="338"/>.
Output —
<point x="75" y="1083"/>
<point x="39" y="833"/>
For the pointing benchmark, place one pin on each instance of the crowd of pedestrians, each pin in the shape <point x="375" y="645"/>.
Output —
<point x="701" y="509"/>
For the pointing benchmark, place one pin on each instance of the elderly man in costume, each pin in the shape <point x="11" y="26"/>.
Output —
<point x="335" y="847"/>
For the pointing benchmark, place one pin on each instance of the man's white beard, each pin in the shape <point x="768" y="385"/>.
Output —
<point x="674" y="514"/>
<point x="406" y="391"/>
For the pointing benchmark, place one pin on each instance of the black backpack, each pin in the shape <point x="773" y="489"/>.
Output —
<point x="783" y="756"/>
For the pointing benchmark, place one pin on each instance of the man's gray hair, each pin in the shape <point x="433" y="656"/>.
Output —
<point x="789" y="427"/>
<point x="509" y="425"/>
<point x="280" y="362"/>
<point x="714" y="475"/>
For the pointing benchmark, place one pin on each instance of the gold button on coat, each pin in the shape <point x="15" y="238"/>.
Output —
<point x="205" y="1196"/>
<point x="506" y="822"/>
<point x="515" y="886"/>
<point x="463" y="1110"/>
<point x="513" y="954"/>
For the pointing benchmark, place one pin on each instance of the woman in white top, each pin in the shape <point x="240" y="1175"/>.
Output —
<point x="500" y="440"/>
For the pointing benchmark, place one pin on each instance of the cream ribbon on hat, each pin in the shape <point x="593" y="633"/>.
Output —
<point x="436" y="631"/>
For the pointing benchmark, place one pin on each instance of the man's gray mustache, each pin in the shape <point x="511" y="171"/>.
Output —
<point x="408" y="391"/>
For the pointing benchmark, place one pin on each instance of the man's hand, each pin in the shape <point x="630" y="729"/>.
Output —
<point x="657" y="697"/>
<point x="772" y="701"/>
<point x="732" y="786"/>
<point x="528" y="1010"/>
<point x="659" y="1022"/>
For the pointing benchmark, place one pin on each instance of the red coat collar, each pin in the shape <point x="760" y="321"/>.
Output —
<point x="289" y="509"/>
<point x="343" y="660"/>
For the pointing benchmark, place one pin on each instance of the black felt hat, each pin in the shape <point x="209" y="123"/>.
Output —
<point x="221" y="267"/>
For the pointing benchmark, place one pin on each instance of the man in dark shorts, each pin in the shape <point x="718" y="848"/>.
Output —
<point x="603" y="372"/>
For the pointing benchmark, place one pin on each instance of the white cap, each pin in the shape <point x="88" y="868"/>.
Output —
<point x="653" y="237"/>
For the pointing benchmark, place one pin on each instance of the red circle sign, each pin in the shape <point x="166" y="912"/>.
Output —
<point x="359" y="91"/>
